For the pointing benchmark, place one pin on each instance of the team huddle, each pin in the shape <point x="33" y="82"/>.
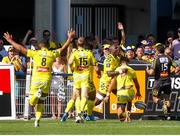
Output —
<point x="117" y="77"/>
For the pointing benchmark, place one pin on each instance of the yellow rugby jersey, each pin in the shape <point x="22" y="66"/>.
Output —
<point x="42" y="62"/>
<point x="83" y="60"/>
<point x="53" y="45"/>
<point x="126" y="80"/>
<point x="110" y="64"/>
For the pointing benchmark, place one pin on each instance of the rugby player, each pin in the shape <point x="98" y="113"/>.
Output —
<point x="161" y="69"/>
<point x="123" y="82"/>
<point x="81" y="62"/>
<point x="42" y="68"/>
<point x="111" y="62"/>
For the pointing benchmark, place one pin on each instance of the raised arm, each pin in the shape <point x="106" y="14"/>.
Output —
<point x="26" y="37"/>
<point x="123" y="39"/>
<point x="17" y="46"/>
<point x="70" y="35"/>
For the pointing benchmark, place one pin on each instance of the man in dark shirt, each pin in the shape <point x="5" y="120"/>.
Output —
<point x="161" y="69"/>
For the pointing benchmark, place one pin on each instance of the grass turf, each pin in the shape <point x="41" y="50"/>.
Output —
<point x="99" y="127"/>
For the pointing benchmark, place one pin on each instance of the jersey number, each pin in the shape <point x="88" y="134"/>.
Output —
<point x="83" y="61"/>
<point x="43" y="63"/>
<point x="164" y="66"/>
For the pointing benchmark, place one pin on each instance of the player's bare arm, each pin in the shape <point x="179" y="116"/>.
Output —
<point x="123" y="39"/>
<point x="138" y="94"/>
<point x="17" y="46"/>
<point x="112" y="73"/>
<point x="70" y="35"/>
<point x="111" y="86"/>
<point x="150" y="71"/>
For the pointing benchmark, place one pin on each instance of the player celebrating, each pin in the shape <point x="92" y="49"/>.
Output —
<point x="42" y="68"/>
<point x="111" y="62"/>
<point x="124" y="85"/>
<point x="82" y="59"/>
<point x="161" y="69"/>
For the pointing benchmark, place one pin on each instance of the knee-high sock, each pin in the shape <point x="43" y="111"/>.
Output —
<point x="78" y="105"/>
<point x="83" y="103"/>
<point x="69" y="105"/>
<point x="33" y="100"/>
<point x="39" y="111"/>
<point x="90" y="105"/>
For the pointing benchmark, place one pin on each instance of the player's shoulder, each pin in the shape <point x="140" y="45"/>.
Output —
<point x="108" y="58"/>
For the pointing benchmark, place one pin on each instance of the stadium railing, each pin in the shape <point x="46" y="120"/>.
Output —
<point x="61" y="88"/>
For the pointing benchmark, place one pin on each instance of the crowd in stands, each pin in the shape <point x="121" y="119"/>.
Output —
<point x="143" y="51"/>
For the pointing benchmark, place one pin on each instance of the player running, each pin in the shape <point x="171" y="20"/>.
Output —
<point x="42" y="68"/>
<point x="161" y="69"/>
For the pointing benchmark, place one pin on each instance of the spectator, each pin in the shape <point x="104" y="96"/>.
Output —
<point x="176" y="47"/>
<point x="105" y="52"/>
<point x="139" y="53"/>
<point x="46" y="38"/>
<point x="168" y="52"/>
<point x="130" y="52"/>
<point x="32" y="43"/>
<point x="151" y="39"/>
<point x="3" y="52"/>
<point x="57" y="85"/>
<point x="14" y="59"/>
<point x="140" y="38"/>
<point x="170" y="37"/>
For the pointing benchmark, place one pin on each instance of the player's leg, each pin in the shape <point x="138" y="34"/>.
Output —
<point x="53" y="105"/>
<point x="84" y="97"/>
<point x="90" y="102"/>
<point x="122" y="100"/>
<point x="130" y="96"/>
<point x="39" y="107"/>
<point x="74" y="99"/>
<point x="69" y="106"/>
<point x="121" y="111"/>
<point x="167" y="103"/>
<point x="101" y="93"/>
<point x="35" y="94"/>
<point x="156" y="91"/>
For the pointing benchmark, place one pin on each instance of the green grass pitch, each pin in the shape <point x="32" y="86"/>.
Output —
<point x="99" y="127"/>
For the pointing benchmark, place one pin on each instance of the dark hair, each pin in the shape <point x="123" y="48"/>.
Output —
<point x="47" y="44"/>
<point x="124" y="59"/>
<point x="46" y="31"/>
<point x="160" y="48"/>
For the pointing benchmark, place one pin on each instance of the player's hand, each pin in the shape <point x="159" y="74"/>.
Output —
<point x="71" y="33"/>
<point x="120" y="26"/>
<point x="138" y="95"/>
<point x="8" y="37"/>
<point x="147" y="68"/>
<point x="29" y="32"/>
<point x="170" y="39"/>
<point x="106" y="98"/>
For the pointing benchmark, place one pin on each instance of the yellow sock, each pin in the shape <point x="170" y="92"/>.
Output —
<point x="83" y="103"/>
<point x="39" y="111"/>
<point x="69" y="105"/>
<point x="78" y="105"/>
<point x="90" y="105"/>
<point x="33" y="100"/>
